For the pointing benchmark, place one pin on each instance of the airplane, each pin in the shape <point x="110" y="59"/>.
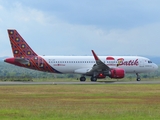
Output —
<point x="97" y="67"/>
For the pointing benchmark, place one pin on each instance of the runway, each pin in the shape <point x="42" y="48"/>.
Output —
<point x="78" y="83"/>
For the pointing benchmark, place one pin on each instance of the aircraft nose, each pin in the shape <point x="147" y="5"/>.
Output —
<point x="155" y="67"/>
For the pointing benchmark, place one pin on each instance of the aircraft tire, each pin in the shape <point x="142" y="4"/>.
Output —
<point x="93" y="79"/>
<point x="138" y="79"/>
<point x="82" y="79"/>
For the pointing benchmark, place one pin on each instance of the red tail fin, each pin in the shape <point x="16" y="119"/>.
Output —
<point x="19" y="47"/>
<point x="24" y="56"/>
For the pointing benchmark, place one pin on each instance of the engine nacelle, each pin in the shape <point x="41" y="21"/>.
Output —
<point x="117" y="73"/>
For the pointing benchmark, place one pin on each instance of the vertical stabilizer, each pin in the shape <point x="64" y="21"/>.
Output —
<point x="19" y="47"/>
<point x="24" y="56"/>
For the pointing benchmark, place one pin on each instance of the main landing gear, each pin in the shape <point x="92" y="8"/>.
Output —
<point x="83" y="78"/>
<point x="93" y="79"/>
<point x="138" y="77"/>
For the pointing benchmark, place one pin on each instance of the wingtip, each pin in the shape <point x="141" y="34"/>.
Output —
<point x="93" y="51"/>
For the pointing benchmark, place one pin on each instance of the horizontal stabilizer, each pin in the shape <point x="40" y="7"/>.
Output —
<point x="22" y="61"/>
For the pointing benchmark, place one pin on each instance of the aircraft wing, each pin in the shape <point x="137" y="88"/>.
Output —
<point x="99" y="66"/>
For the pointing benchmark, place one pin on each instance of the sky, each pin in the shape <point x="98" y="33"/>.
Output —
<point x="75" y="27"/>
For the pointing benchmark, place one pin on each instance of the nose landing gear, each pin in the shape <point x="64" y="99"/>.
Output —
<point x="138" y="77"/>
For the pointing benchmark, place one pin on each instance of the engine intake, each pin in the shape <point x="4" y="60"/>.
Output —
<point x="117" y="73"/>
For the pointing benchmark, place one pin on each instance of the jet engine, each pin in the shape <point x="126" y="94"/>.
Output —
<point x="117" y="73"/>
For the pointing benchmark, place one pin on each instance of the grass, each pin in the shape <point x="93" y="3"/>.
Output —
<point x="80" y="102"/>
<point x="88" y="79"/>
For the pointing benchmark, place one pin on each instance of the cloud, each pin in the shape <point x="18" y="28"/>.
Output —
<point x="27" y="15"/>
<point x="106" y="14"/>
<point x="103" y="14"/>
<point x="75" y="28"/>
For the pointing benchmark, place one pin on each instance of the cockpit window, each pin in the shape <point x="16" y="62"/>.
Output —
<point x="149" y="61"/>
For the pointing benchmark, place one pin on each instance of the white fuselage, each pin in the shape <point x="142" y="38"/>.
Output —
<point x="82" y="64"/>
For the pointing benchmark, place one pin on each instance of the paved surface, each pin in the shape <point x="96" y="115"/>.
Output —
<point x="78" y="83"/>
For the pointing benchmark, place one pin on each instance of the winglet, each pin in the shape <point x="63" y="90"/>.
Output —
<point x="95" y="56"/>
<point x="100" y="64"/>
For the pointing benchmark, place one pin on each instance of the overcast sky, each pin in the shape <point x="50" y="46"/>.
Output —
<point x="75" y="27"/>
